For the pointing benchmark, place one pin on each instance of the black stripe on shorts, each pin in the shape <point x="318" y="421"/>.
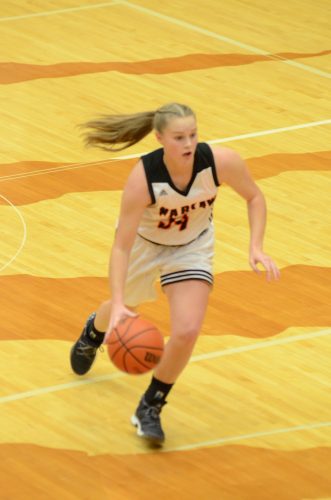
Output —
<point x="193" y="274"/>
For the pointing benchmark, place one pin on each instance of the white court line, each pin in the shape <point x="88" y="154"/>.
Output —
<point x="261" y="133"/>
<point x="247" y="136"/>
<point x="262" y="345"/>
<point x="59" y="387"/>
<point x="178" y="22"/>
<point x="226" y="352"/>
<point x="225" y="39"/>
<point x="242" y="437"/>
<point x="43" y="171"/>
<point x="20" y="248"/>
<point x="59" y="11"/>
<point x="270" y="132"/>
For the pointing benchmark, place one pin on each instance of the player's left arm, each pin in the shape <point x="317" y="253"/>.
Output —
<point x="232" y="170"/>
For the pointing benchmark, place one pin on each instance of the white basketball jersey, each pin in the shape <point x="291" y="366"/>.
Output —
<point x="177" y="217"/>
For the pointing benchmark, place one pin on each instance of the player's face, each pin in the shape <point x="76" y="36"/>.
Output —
<point x="179" y="138"/>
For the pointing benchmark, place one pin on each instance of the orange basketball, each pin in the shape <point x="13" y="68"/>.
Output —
<point x="135" y="345"/>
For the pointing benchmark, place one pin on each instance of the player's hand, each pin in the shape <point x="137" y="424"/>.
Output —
<point x="118" y="313"/>
<point x="258" y="257"/>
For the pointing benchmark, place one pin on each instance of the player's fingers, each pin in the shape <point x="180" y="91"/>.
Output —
<point x="271" y="269"/>
<point x="117" y="319"/>
<point x="106" y="337"/>
<point x="275" y="272"/>
<point x="110" y="328"/>
<point x="253" y="265"/>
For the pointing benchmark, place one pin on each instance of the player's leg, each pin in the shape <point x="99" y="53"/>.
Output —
<point x="186" y="278"/>
<point x="188" y="303"/>
<point x="142" y="272"/>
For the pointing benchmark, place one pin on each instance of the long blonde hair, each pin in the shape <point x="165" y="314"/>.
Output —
<point x="126" y="130"/>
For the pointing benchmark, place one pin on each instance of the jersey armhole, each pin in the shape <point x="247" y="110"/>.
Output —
<point x="213" y="169"/>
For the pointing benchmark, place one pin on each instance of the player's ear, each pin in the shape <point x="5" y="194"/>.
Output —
<point x="158" y="137"/>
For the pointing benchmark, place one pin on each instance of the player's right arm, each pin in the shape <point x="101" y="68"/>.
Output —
<point x="135" y="199"/>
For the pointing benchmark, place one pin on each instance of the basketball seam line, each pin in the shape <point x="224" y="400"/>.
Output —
<point x="127" y="350"/>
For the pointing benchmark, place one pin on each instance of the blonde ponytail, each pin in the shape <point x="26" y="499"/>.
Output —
<point x="109" y="130"/>
<point x="126" y="130"/>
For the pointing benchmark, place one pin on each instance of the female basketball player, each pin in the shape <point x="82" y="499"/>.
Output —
<point x="165" y="231"/>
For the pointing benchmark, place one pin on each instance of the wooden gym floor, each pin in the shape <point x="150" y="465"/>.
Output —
<point x="250" y="418"/>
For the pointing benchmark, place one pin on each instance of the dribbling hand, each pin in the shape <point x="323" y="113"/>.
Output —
<point x="118" y="313"/>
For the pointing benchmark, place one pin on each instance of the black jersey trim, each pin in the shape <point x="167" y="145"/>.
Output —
<point x="208" y="152"/>
<point x="150" y="189"/>
<point x="157" y="172"/>
<point x="175" y="246"/>
<point x="189" y="274"/>
<point x="152" y="163"/>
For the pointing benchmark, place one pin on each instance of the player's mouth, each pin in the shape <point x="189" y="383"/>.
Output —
<point x="187" y="154"/>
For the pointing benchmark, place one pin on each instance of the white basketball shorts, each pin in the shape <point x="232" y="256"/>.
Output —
<point x="150" y="262"/>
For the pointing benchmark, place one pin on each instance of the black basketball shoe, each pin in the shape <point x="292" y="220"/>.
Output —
<point x="148" y="423"/>
<point x="84" y="351"/>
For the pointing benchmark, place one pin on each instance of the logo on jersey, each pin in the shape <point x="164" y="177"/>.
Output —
<point x="180" y="217"/>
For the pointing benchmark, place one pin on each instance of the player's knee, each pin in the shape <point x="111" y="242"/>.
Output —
<point x="187" y="334"/>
